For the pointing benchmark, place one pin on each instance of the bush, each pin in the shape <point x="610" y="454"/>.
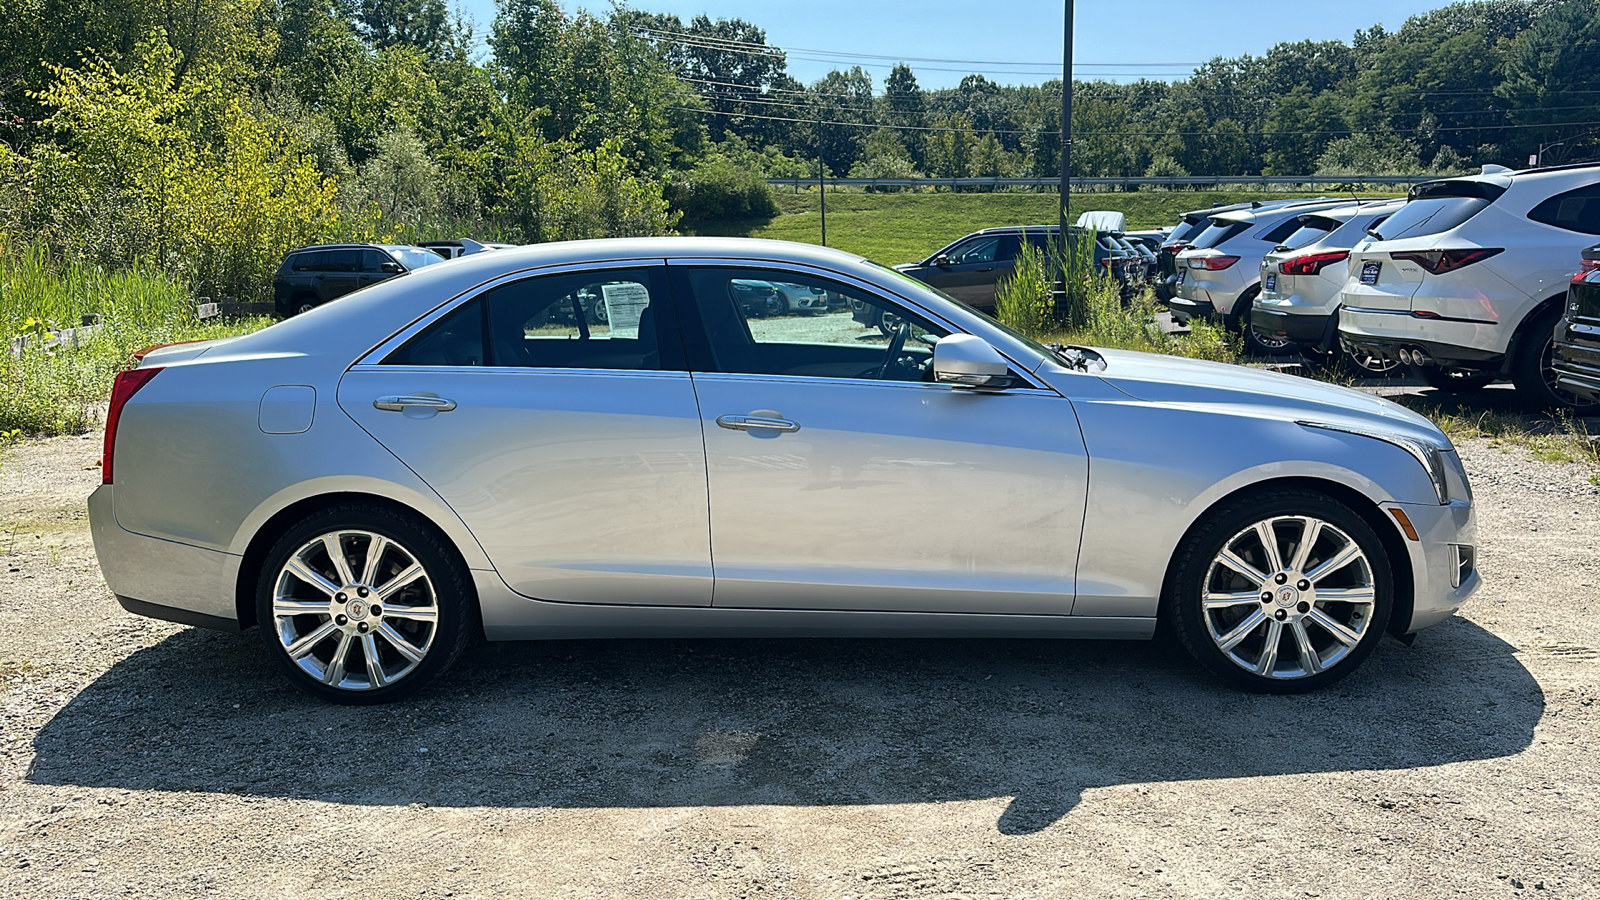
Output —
<point x="1025" y="300"/>
<point x="719" y="190"/>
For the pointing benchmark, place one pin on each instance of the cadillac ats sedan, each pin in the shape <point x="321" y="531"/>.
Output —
<point x="463" y="451"/>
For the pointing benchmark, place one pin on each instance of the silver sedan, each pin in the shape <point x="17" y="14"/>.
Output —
<point x="463" y="451"/>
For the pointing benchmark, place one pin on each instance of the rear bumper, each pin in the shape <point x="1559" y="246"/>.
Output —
<point x="1577" y="358"/>
<point x="1186" y="309"/>
<point x="163" y="579"/>
<point x="1310" y="329"/>
<point x="1383" y="333"/>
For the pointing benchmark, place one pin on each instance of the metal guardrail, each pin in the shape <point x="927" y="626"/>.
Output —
<point x="1175" y="181"/>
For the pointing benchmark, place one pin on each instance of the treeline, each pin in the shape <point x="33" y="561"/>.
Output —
<point x="207" y="138"/>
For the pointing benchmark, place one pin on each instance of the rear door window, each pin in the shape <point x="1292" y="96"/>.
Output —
<point x="315" y="261"/>
<point x="343" y="261"/>
<point x="1576" y="210"/>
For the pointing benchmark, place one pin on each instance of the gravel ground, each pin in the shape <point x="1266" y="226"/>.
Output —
<point x="149" y="759"/>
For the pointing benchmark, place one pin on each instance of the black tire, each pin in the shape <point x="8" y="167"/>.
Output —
<point x="303" y="303"/>
<point x="445" y="589"/>
<point x="1195" y="570"/>
<point x="1533" y="375"/>
<point x="1454" y="381"/>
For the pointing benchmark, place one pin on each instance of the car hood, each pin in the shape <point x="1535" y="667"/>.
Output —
<point x="1241" y="390"/>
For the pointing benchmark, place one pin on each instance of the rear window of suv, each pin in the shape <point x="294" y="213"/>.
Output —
<point x="1437" y="207"/>
<point x="1217" y="231"/>
<point x="1576" y="210"/>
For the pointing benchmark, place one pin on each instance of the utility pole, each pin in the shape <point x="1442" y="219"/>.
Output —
<point x="822" y="185"/>
<point x="1066" y="154"/>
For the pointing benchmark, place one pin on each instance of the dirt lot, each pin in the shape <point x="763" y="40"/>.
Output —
<point x="149" y="759"/>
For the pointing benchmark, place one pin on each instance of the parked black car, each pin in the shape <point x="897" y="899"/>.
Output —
<point x="311" y="276"/>
<point x="971" y="269"/>
<point x="1576" y="351"/>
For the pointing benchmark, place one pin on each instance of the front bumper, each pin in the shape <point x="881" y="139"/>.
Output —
<point x="1439" y="586"/>
<point x="163" y="579"/>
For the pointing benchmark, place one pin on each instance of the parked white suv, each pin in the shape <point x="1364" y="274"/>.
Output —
<point x="1300" y="284"/>
<point x="1465" y="282"/>
<point x="1218" y="277"/>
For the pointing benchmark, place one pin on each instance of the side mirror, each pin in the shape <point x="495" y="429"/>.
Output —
<point x="966" y="360"/>
<point x="389" y="268"/>
<point x="941" y="261"/>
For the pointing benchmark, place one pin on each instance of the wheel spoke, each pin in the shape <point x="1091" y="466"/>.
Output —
<point x="1269" y="543"/>
<point x="1308" y="654"/>
<point x="1223" y="601"/>
<point x="1364" y="596"/>
<point x="335" y="549"/>
<point x="298" y="568"/>
<point x="414" y="613"/>
<point x="1310" y="530"/>
<point x="375" y="550"/>
<point x="1269" y="649"/>
<point x="300" y="648"/>
<point x="407" y="576"/>
<point x="1241" y="631"/>
<point x="400" y="644"/>
<point x="285" y="606"/>
<point x="1346" y="555"/>
<point x="1341" y="633"/>
<point x="334" y="673"/>
<point x="369" y="649"/>
<point x="1251" y="573"/>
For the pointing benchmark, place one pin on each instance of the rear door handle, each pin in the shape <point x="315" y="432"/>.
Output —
<point x="399" y="403"/>
<point x="763" y="423"/>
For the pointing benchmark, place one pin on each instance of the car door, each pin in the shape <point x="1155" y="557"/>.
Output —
<point x="571" y="449"/>
<point x="972" y="267"/>
<point x="372" y="262"/>
<point x="340" y="273"/>
<point x="842" y="478"/>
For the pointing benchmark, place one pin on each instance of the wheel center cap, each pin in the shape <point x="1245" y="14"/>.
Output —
<point x="1287" y="596"/>
<point x="357" y="609"/>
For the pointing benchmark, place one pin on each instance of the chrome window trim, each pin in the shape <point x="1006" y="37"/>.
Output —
<point x="859" y="283"/>
<point x="448" y="306"/>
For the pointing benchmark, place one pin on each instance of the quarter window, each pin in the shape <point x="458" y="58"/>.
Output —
<point x="1577" y="210"/>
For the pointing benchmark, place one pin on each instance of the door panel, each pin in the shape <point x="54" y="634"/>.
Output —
<point x="580" y="487"/>
<point x="892" y="496"/>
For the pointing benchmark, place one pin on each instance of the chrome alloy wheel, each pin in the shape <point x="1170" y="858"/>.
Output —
<point x="1289" y="597"/>
<point x="347" y="590"/>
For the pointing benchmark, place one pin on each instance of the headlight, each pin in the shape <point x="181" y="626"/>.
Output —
<point x="1430" y="455"/>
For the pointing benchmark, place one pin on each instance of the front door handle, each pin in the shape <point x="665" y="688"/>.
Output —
<point x="399" y="403"/>
<point x="762" y="423"/>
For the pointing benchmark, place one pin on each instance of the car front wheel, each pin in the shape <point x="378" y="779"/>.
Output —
<point x="362" y="604"/>
<point x="1283" y="592"/>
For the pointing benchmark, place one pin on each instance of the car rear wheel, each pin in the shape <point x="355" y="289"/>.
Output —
<point x="304" y="303"/>
<point x="1533" y="369"/>
<point x="1282" y="592"/>
<point x="362" y="604"/>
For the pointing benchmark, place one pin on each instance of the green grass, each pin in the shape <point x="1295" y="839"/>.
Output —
<point x="897" y="228"/>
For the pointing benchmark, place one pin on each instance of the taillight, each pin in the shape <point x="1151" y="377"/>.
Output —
<point x="1175" y="248"/>
<point x="1438" y="262"/>
<point x="122" y="390"/>
<point x="1212" y="263"/>
<point x="1584" y="268"/>
<point x="1312" y="263"/>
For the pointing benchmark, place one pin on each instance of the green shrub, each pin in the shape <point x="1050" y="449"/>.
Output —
<point x="718" y="189"/>
<point x="1025" y="301"/>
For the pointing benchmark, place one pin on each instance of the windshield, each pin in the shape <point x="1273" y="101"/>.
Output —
<point x="414" y="257"/>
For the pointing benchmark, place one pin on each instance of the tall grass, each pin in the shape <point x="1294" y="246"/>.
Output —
<point x="50" y="390"/>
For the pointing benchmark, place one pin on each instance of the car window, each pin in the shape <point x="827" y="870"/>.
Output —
<point x="310" y="262"/>
<point x="372" y="261"/>
<point x="1218" y="231"/>
<point x="587" y="320"/>
<point x="1438" y="206"/>
<point x="977" y="250"/>
<point x="1576" y="210"/>
<point x="858" y="335"/>
<point x="343" y="261"/>
<point x="1279" y="233"/>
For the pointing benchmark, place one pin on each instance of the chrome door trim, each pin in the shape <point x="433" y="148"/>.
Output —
<point x="760" y="423"/>
<point x="369" y="359"/>
<point x="853" y="281"/>
<point x="401" y="403"/>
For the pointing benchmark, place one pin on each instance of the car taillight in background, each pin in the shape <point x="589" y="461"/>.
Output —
<point x="1584" y="268"/>
<point x="1212" y="263"/>
<point x="122" y="390"/>
<point x="1312" y="263"/>
<point x="1438" y="262"/>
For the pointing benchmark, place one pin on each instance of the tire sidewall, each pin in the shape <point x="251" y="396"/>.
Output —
<point x="1527" y="367"/>
<point x="453" y="594"/>
<point x="1206" y="539"/>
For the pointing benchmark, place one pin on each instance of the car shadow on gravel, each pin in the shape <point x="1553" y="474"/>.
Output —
<point x="785" y="722"/>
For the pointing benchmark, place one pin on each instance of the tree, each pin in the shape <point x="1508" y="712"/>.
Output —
<point x="905" y="107"/>
<point x="728" y="63"/>
<point x="423" y="24"/>
<point x="1549" y="77"/>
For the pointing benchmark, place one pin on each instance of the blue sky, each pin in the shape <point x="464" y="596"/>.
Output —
<point x="1121" y="33"/>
